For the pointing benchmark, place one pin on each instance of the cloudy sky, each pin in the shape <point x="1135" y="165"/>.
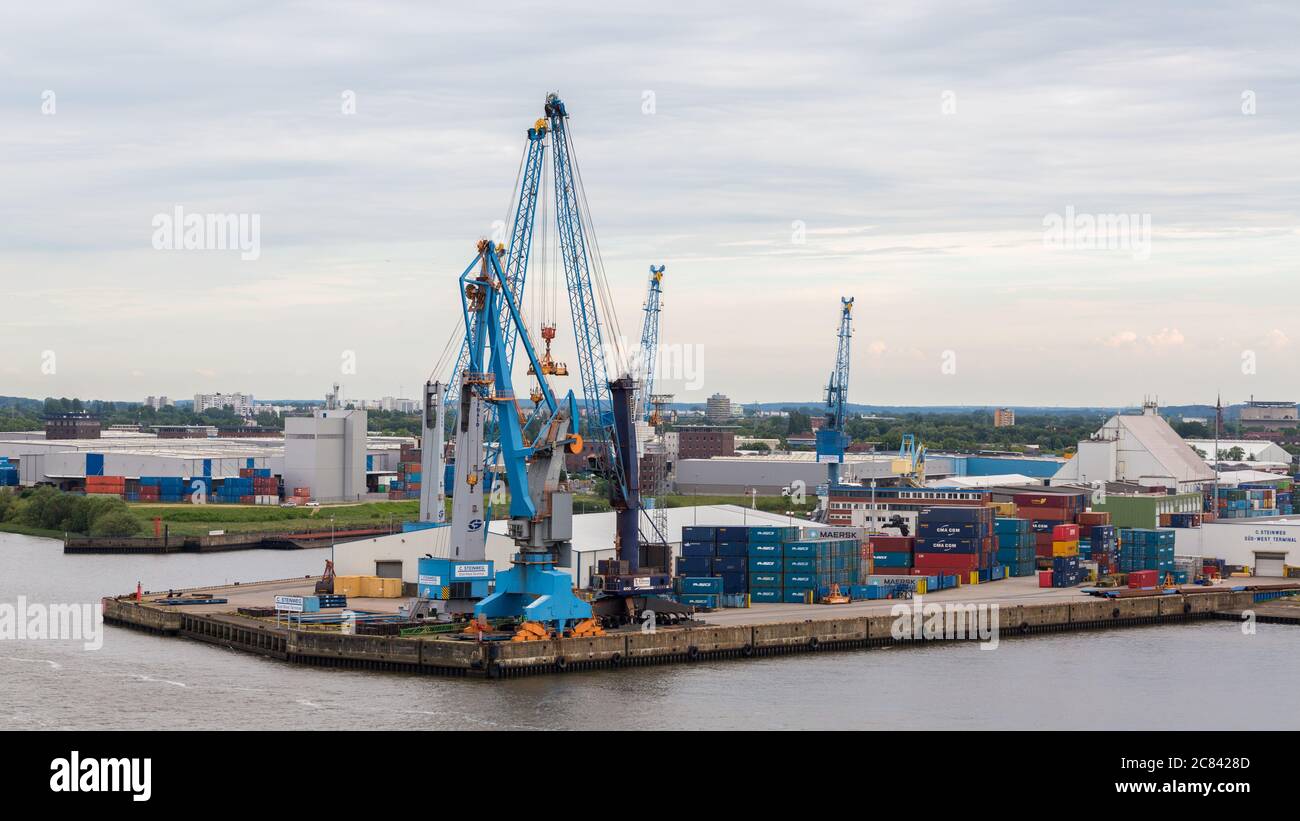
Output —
<point x="940" y="163"/>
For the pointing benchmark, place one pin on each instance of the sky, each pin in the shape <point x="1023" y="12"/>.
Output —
<point x="940" y="163"/>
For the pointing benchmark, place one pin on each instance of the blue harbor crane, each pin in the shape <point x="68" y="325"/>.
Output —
<point x="541" y="507"/>
<point x="649" y="342"/>
<point x="831" y="439"/>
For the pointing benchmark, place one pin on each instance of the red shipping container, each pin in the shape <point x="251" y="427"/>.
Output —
<point x="1065" y="533"/>
<point x="1044" y="578"/>
<point x="1143" y="578"/>
<point x="892" y="544"/>
<point x="946" y="562"/>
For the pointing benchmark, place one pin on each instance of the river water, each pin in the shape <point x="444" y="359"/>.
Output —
<point x="1207" y="675"/>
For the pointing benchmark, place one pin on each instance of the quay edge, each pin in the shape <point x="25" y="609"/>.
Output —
<point x="451" y="657"/>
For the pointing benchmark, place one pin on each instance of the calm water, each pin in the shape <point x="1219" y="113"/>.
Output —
<point x="1158" y="677"/>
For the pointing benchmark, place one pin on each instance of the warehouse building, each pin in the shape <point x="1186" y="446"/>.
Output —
<point x="1267" y="547"/>
<point x="1269" y="415"/>
<point x="1138" y="448"/>
<point x="66" y="463"/>
<point x="1251" y="450"/>
<point x="770" y="475"/>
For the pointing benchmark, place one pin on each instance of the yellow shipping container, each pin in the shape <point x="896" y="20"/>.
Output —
<point x="1006" y="510"/>
<point x="372" y="587"/>
<point x="347" y="585"/>
<point x="1070" y="548"/>
<point x="392" y="588"/>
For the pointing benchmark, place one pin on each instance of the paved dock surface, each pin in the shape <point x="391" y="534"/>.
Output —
<point x="1009" y="592"/>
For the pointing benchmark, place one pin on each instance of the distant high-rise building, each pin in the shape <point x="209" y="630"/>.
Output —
<point x="718" y="409"/>
<point x="156" y="402"/>
<point x="1004" y="418"/>
<point x="241" y="403"/>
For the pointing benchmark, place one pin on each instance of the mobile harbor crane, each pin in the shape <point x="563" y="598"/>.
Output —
<point x="540" y="507"/>
<point x="831" y="439"/>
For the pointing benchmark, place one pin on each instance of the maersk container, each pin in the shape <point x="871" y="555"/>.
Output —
<point x="765" y="564"/>
<point x="765" y="595"/>
<point x="765" y="549"/>
<point x="759" y="581"/>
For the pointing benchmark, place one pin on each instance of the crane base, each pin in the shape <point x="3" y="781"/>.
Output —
<point x="534" y="591"/>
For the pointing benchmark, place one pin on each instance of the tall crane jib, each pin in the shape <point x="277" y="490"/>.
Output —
<point x="831" y="439"/>
<point x="649" y="342"/>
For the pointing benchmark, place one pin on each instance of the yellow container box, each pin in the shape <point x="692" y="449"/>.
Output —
<point x="1070" y="548"/>
<point x="372" y="587"/>
<point x="347" y="585"/>
<point x="392" y="588"/>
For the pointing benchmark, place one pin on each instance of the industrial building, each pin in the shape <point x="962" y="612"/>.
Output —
<point x="327" y="453"/>
<point x="1004" y="418"/>
<point x="1268" y="416"/>
<point x="1138" y="448"/>
<point x="333" y="456"/>
<point x="1252" y="450"/>
<point x="771" y="475"/>
<point x="73" y="426"/>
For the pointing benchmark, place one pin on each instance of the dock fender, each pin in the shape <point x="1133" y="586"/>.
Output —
<point x="747" y="650"/>
<point x="616" y="660"/>
<point x="812" y="642"/>
<point x="1187" y="606"/>
<point x="692" y="652"/>
<point x="1114" y="614"/>
<point x="561" y="663"/>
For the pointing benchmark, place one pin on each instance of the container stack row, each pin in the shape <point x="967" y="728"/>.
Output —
<point x="765" y="563"/>
<point x="1146" y="549"/>
<point x="955" y="540"/>
<point x="1016" y="549"/>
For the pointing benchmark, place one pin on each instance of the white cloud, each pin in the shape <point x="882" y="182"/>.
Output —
<point x="1123" y="339"/>
<point x="1166" y="338"/>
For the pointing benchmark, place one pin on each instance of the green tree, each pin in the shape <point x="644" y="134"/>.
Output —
<point x="116" y="523"/>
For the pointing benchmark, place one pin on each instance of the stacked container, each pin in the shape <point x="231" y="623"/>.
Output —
<point x="954" y="540"/>
<point x="1146" y="549"/>
<point x="1102" y="547"/>
<point x="1016" y="548"/>
<point x="106" y="485"/>
<point x="892" y="554"/>
<point x="1065" y="541"/>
